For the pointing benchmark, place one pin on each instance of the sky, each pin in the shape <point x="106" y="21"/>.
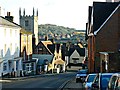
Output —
<point x="67" y="13"/>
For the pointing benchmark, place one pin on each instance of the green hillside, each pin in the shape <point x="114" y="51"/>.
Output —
<point x="54" y="29"/>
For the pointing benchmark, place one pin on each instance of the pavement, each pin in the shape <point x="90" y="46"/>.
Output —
<point x="3" y="80"/>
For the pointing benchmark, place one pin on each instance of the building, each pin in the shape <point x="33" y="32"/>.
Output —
<point x="112" y="0"/>
<point x="49" y="57"/>
<point x="10" y="60"/>
<point x="29" y="64"/>
<point x="30" y="23"/>
<point x="103" y="37"/>
<point x="76" y="54"/>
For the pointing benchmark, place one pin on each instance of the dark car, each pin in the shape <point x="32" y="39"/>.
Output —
<point x="81" y="75"/>
<point x="114" y="83"/>
<point x="101" y="81"/>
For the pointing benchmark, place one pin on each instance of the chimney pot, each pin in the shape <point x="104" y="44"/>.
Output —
<point x="8" y="13"/>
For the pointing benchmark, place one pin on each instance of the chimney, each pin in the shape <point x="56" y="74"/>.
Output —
<point x="46" y="37"/>
<point x="8" y="17"/>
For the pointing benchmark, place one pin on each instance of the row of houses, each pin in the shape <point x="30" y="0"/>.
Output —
<point x="20" y="54"/>
<point x="103" y="37"/>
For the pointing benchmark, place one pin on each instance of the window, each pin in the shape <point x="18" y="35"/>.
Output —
<point x="75" y="60"/>
<point x="117" y="87"/>
<point x="5" y="32"/>
<point x="11" y="47"/>
<point x="5" y="48"/>
<point x="26" y="23"/>
<point x="40" y="49"/>
<point x="28" y="66"/>
<point x="10" y="32"/>
<point x="17" y="64"/>
<point x="15" y="32"/>
<point x="4" y="66"/>
<point x="1" y="52"/>
<point x="112" y="83"/>
<point x="16" y="47"/>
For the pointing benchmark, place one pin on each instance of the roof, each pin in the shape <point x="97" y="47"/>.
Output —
<point x="48" y="45"/>
<point x="29" y="61"/>
<point x="51" y="48"/>
<point x="80" y="45"/>
<point x="101" y="13"/>
<point x="25" y="31"/>
<point x="92" y="74"/>
<point x="43" y="57"/>
<point x="59" y="61"/>
<point x="81" y="51"/>
<point x="88" y="25"/>
<point x="106" y="73"/>
<point x="6" y="22"/>
<point x="116" y="74"/>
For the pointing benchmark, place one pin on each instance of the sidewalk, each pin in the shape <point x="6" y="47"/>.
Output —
<point x="21" y="78"/>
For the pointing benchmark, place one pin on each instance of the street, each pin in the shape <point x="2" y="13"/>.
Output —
<point x="46" y="82"/>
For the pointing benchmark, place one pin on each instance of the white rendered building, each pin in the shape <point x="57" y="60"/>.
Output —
<point x="9" y="48"/>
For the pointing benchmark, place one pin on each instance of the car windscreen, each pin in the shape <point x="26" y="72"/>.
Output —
<point x="91" y="78"/>
<point x="104" y="80"/>
<point x="82" y="72"/>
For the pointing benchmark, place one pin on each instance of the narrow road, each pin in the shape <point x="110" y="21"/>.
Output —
<point x="52" y="82"/>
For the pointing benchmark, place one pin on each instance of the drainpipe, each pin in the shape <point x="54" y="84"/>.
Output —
<point x="106" y="62"/>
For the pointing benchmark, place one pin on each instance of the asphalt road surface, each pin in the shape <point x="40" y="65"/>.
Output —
<point x="49" y="82"/>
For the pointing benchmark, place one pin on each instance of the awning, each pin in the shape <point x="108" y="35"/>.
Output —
<point x="59" y="61"/>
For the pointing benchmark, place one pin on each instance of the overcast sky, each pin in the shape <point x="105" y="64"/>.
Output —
<point x="68" y="13"/>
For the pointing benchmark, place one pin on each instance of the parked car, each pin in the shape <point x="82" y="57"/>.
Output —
<point x="114" y="83"/>
<point x="89" y="80"/>
<point x="81" y="75"/>
<point x="101" y="81"/>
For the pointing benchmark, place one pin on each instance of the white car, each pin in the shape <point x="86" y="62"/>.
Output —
<point x="114" y="83"/>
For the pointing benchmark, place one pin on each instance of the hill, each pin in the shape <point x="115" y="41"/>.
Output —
<point x="54" y="29"/>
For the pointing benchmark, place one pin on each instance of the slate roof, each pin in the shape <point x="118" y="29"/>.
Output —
<point x="81" y="51"/>
<point x="102" y="10"/>
<point x="43" y="57"/>
<point x="4" y="21"/>
<point x="51" y="48"/>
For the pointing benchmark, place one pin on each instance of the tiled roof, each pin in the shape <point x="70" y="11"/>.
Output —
<point x="46" y="43"/>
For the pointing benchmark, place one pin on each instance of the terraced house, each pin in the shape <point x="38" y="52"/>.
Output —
<point x="10" y="60"/>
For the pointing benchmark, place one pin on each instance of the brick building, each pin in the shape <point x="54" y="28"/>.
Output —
<point x="103" y="36"/>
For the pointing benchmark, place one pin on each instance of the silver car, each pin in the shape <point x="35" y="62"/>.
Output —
<point x="101" y="81"/>
<point x="89" y="80"/>
<point x="114" y="83"/>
